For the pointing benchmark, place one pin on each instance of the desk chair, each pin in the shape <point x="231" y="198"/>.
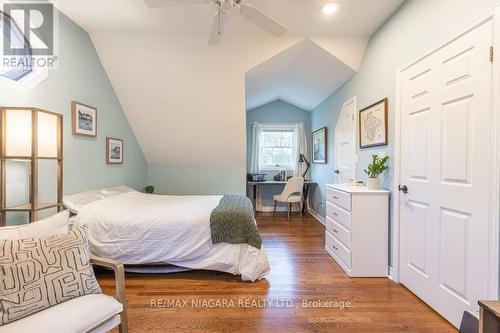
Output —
<point x="292" y="193"/>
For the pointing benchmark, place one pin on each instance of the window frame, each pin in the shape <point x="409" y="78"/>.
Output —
<point x="16" y="74"/>
<point x="277" y="128"/>
<point x="26" y="78"/>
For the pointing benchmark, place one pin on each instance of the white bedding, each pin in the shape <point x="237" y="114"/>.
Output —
<point x="138" y="228"/>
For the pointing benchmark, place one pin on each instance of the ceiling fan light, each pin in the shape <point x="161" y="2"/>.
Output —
<point x="329" y="8"/>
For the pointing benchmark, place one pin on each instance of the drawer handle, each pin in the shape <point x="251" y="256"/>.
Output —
<point x="335" y="231"/>
<point x="335" y="214"/>
<point x="334" y="247"/>
<point x="335" y="197"/>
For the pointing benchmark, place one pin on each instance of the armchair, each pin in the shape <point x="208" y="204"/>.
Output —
<point x="79" y="314"/>
<point x="119" y="272"/>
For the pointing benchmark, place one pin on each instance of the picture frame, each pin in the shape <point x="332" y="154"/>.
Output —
<point x="373" y="125"/>
<point x="114" y="151"/>
<point x="83" y="119"/>
<point x="319" y="139"/>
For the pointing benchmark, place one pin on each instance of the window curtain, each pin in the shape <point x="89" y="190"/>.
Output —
<point x="301" y="148"/>
<point x="256" y="137"/>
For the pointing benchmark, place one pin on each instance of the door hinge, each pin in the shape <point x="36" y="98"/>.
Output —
<point x="492" y="54"/>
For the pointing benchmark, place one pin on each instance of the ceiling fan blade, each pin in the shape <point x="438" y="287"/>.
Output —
<point x="169" y="3"/>
<point x="262" y="20"/>
<point x="218" y="26"/>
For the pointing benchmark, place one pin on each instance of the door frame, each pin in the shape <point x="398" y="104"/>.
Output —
<point x="356" y="131"/>
<point x="494" y="190"/>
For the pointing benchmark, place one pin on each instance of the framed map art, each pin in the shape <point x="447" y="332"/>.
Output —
<point x="373" y="125"/>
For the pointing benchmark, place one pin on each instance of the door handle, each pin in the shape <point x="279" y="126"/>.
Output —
<point x="403" y="188"/>
<point x="337" y="171"/>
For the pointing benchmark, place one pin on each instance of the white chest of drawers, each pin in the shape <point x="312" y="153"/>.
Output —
<point x="357" y="229"/>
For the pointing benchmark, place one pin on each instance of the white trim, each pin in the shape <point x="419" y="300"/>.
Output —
<point x="287" y="168"/>
<point x="493" y="278"/>
<point x="493" y="275"/>
<point x="393" y="275"/>
<point x="277" y="127"/>
<point x="356" y="132"/>
<point x="318" y="217"/>
<point x="279" y="209"/>
<point x="396" y="182"/>
<point x="37" y="76"/>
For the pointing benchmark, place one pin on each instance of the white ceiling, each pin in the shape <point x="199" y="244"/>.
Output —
<point x="184" y="99"/>
<point x="358" y="18"/>
<point x="304" y="75"/>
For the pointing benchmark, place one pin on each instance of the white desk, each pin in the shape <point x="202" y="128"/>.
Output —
<point x="255" y="185"/>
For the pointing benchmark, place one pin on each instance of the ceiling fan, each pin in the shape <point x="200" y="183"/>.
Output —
<point x="223" y="7"/>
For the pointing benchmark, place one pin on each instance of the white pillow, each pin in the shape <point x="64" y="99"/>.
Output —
<point x="75" y="202"/>
<point x="55" y="225"/>
<point x="117" y="190"/>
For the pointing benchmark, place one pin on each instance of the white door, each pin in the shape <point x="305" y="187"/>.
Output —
<point x="446" y="160"/>
<point x="345" y="143"/>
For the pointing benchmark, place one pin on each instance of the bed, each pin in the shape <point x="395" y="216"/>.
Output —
<point x="143" y="229"/>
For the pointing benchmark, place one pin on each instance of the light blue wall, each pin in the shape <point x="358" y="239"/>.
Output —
<point x="197" y="179"/>
<point x="415" y="27"/>
<point x="276" y="112"/>
<point x="81" y="77"/>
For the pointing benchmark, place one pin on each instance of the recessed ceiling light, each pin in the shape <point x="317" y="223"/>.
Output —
<point x="329" y="8"/>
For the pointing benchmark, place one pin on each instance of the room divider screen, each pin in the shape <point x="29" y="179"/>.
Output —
<point x="31" y="164"/>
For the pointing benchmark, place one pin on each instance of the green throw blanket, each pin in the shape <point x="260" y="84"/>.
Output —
<point x="232" y="221"/>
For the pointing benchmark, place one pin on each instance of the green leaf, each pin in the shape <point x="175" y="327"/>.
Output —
<point x="377" y="166"/>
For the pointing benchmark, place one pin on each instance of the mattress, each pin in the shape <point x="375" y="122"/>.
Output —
<point x="136" y="228"/>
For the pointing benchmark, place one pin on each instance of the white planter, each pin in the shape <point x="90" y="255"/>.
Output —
<point x="373" y="183"/>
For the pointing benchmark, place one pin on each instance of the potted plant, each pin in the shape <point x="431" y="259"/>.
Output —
<point x="375" y="169"/>
<point x="149" y="189"/>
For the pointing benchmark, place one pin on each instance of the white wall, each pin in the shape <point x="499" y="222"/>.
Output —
<point x="186" y="101"/>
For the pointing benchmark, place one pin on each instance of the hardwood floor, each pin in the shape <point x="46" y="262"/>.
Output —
<point x="300" y="270"/>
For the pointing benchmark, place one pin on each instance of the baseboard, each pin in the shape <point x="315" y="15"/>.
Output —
<point x="269" y="209"/>
<point x="318" y="217"/>
<point x="392" y="275"/>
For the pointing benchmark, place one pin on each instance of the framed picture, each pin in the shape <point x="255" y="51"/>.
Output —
<point x="373" y="125"/>
<point x="114" y="151"/>
<point x="84" y="119"/>
<point x="319" y="146"/>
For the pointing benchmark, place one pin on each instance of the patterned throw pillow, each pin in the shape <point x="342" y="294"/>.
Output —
<point x="38" y="273"/>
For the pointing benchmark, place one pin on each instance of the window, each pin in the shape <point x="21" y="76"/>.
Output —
<point x="19" y="70"/>
<point x="12" y="32"/>
<point x="277" y="147"/>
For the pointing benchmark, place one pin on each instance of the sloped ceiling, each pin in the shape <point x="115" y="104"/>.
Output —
<point x="304" y="75"/>
<point x="184" y="99"/>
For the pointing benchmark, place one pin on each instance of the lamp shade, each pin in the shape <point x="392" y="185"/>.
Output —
<point x="18" y="132"/>
<point x="47" y="134"/>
